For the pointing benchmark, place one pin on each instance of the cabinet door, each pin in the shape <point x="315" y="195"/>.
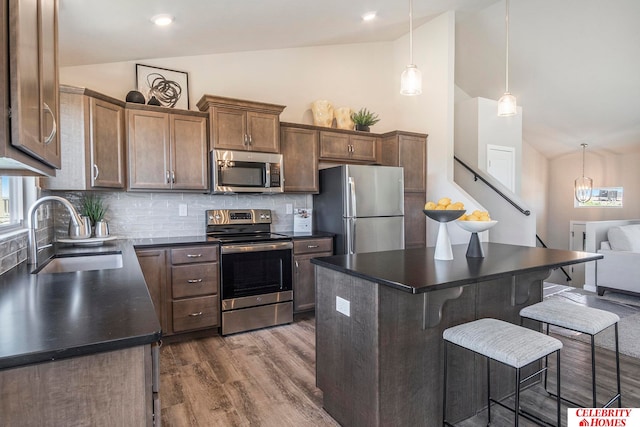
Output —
<point x="363" y="148"/>
<point x="412" y="155"/>
<point x="415" y="221"/>
<point x="188" y="152"/>
<point x="148" y="138"/>
<point x="334" y="146"/>
<point x="263" y="131"/>
<point x="106" y="138"/>
<point x="229" y="129"/>
<point x="300" y="157"/>
<point x="34" y="71"/>
<point x="153" y="263"/>
<point x="304" y="282"/>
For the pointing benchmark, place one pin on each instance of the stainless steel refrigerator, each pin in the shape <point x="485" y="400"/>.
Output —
<point x="363" y="206"/>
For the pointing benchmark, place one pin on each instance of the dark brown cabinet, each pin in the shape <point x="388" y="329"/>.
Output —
<point x="184" y="286"/>
<point x="92" y="140"/>
<point x="29" y="143"/>
<point x="243" y="125"/>
<point x="409" y="150"/>
<point x="348" y="146"/>
<point x="299" y="148"/>
<point x="304" y="282"/>
<point x="168" y="150"/>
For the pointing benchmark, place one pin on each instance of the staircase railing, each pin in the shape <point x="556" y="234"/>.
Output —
<point x="525" y="212"/>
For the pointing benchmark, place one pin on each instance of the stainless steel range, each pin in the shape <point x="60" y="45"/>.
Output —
<point x="256" y="272"/>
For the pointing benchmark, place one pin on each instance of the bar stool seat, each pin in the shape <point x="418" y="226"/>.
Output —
<point x="504" y="342"/>
<point x="586" y="320"/>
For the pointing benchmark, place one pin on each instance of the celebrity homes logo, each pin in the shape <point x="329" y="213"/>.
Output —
<point x="603" y="417"/>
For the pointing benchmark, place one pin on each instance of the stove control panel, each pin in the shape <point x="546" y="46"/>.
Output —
<point x="238" y="216"/>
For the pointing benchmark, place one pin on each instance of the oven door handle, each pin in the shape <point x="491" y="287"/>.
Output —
<point x="255" y="247"/>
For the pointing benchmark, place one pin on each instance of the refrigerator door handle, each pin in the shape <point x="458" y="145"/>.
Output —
<point x="353" y="235"/>
<point x="352" y="197"/>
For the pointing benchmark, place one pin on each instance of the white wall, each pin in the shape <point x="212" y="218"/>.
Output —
<point x="606" y="170"/>
<point x="535" y="187"/>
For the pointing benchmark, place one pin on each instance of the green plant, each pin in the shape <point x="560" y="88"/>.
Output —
<point x="93" y="207"/>
<point x="364" y="117"/>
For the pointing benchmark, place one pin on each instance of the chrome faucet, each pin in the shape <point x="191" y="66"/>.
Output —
<point x="76" y="220"/>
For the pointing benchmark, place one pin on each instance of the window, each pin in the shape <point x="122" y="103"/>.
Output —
<point x="603" y="197"/>
<point x="11" y="205"/>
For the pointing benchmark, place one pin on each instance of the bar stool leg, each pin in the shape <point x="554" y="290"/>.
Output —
<point x="593" y="370"/>
<point x="517" y="404"/>
<point x="618" y="368"/>
<point x="558" y="386"/>
<point x="444" y="388"/>
<point x="488" y="391"/>
<point x="546" y="365"/>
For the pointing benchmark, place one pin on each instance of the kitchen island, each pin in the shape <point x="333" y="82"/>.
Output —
<point x="380" y="318"/>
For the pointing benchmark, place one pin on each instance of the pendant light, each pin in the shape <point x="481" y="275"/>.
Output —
<point x="411" y="79"/>
<point x="507" y="102"/>
<point x="583" y="185"/>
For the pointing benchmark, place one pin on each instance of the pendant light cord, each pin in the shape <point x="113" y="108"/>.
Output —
<point x="411" y="32"/>
<point x="506" y="20"/>
<point x="584" y="146"/>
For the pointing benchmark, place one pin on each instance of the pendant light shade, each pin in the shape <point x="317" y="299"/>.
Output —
<point x="411" y="79"/>
<point x="583" y="186"/>
<point x="507" y="103"/>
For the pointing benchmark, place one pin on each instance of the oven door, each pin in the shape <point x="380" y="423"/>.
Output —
<point x="255" y="269"/>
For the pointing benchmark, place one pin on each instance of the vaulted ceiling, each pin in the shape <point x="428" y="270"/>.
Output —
<point x="574" y="64"/>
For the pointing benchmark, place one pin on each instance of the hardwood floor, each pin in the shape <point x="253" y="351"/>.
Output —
<point x="267" y="378"/>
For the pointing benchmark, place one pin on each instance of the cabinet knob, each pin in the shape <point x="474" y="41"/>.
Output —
<point x="168" y="182"/>
<point x="97" y="172"/>
<point x="194" y="280"/>
<point x="54" y="126"/>
<point x="194" y="255"/>
<point x="173" y="177"/>
<point x="196" y="314"/>
<point x="313" y="246"/>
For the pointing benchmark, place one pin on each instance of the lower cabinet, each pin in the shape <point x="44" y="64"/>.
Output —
<point x="113" y="388"/>
<point x="184" y="286"/>
<point x="304" y="283"/>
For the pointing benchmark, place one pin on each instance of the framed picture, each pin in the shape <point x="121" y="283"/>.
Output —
<point x="170" y="87"/>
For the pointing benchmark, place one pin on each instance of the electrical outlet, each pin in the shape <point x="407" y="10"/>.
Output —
<point x="182" y="209"/>
<point x="289" y="208"/>
<point x="343" y="306"/>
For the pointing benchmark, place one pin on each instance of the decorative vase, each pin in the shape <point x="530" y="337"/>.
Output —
<point x="135" y="97"/>
<point x="101" y="229"/>
<point x="154" y="101"/>
<point x="363" y="128"/>
<point x="474" y="250"/>
<point x="322" y="113"/>
<point x="343" y="118"/>
<point x="443" y="249"/>
<point x="76" y="233"/>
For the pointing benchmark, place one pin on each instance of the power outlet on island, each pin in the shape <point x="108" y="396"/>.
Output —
<point x="343" y="306"/>
<point x="182" y="209"/>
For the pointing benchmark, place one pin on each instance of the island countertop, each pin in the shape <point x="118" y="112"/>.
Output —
<point x="416" y="271"/>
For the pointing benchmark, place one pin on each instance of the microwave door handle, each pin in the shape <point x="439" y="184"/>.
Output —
<point x="267" y="175"/>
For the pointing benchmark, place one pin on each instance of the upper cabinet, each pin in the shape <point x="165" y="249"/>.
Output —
<point x="348" y="146"/>
<point x="29" y="141"/>
<point x="299" y="145"/>
<point x="168" y="148"/>
<point x="92" y="141"/>
<point x="242" y="125"/>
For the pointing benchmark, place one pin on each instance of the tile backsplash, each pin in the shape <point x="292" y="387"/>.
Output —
<point x="142" y="215"/>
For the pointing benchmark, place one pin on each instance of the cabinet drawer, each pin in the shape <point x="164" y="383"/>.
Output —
<point x="307" y="246"/>
<point x="195" y="313"/>
<point x="194" y="254"/>
<point x="194" y="280"/>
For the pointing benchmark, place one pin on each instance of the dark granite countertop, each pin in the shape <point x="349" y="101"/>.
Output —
<point x="415" y="270"/>
<point x="53" y="316"/>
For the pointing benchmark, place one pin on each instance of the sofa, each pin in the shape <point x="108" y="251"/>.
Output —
<point x="619" y="270"/>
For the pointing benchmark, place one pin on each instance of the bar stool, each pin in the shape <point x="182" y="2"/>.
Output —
<point x="586" y="320"/>
<point x="509" y="344"/>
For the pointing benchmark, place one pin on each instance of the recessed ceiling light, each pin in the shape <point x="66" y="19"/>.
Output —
<point x="369" y="16"/>
<point x="162" y="19"/>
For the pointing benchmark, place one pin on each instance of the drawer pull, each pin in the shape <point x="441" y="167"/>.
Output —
<point x="313" y="246"/>
<point x="194" y="280"/>
<point x="196" y="314"/>
<point x="194" y="255"/>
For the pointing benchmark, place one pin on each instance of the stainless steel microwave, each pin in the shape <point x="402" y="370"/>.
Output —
<point x="246" y="172"/>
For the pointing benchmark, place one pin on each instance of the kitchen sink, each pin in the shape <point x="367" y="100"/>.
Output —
<point x="67" y="264"/>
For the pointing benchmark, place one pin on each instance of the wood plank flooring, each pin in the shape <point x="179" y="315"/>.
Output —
<point x="267" y="378"/>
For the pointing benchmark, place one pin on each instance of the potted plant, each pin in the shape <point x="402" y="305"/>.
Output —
<point x="94" y="208"/>
<point x="363" y="119"/>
